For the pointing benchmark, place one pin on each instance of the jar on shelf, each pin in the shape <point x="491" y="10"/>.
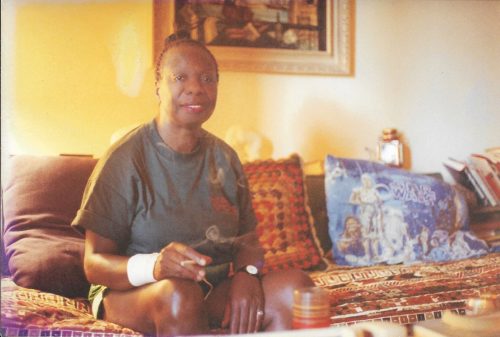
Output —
<point x="390" y="148"/>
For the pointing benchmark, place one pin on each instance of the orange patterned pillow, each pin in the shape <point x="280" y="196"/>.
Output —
<point x="284" y="222"/>
<point x="31" y="312"/>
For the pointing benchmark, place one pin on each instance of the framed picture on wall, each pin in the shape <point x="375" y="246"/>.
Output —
<point x="275" y="36"/>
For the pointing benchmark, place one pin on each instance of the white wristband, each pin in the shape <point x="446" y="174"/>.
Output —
<point x="140" y="268"/>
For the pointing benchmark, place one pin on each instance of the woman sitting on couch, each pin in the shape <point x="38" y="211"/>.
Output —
<point x="170" y="244"/>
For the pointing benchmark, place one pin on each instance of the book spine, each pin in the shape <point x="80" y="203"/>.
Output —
<point x="456" y="169"/>
<point x="488" y="172"/>
<point x="482" y="184"/>
<point x="476" y="187"/>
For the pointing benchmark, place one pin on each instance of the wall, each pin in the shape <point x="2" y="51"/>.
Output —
<point x="75" y="71"/>
<point x="81" y="70"/>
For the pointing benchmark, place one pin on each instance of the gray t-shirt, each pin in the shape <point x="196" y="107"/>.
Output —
<point x="144" y="195"/>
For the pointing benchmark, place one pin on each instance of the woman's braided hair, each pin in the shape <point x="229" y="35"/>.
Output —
<point x="175" y="40"/>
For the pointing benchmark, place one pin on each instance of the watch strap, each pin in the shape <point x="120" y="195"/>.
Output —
<point x="245" y="268"/>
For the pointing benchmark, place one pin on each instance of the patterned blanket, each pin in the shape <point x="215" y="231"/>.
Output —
<point x="407" y="294"/>
<point x="397" y="293"/>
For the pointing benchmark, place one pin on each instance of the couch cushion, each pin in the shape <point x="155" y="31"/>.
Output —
<point x="379" y="214"/>
<point x="407" y="294"/>
<point x="41" y="196"/>
<point x="285" y="225"/>
<point x="29" y="312"/>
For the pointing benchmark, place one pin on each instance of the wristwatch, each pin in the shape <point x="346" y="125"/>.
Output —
<point x="250" y="269"/>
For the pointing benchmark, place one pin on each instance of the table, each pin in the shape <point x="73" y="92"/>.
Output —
<point x="374" y="329"/>
<point x="451" y="324"/>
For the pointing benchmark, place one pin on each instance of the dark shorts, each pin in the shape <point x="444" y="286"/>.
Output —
<point x="214" y="276"/>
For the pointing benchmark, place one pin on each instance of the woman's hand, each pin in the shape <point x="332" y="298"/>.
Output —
<point x="244" y="312"/>
<point x="179" y="260"/>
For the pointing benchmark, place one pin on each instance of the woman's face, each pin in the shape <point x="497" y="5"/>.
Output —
<point x="187" y="88"/>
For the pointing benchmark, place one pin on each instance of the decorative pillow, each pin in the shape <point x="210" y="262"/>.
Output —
<point x="29" y="312"/>
<point x="379" y="214"/>
<point x="285" y="225"/>
<point x="40" y="198"/>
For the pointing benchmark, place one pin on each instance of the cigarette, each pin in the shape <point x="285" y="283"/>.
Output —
<point x="187" y="262"/>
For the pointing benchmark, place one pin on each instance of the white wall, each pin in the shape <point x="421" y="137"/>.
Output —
<point x="429" y="68"/>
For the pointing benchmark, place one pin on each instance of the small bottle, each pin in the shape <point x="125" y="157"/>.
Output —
<point x="390" y="148"/>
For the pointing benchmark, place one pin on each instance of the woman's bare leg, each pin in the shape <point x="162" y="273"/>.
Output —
<point x="164" y="308"/>
<point x="278" y="289"/>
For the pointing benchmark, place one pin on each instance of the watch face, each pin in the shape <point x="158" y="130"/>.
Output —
<point x="252" y="269"/>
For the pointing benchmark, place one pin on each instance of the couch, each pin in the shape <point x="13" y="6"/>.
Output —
<point x="44" y="288"/>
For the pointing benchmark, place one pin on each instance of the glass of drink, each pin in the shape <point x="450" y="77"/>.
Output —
<point x="311" y="308"/>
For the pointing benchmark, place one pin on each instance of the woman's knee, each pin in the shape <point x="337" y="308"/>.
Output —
<point x="300" y="278"/>
<point x="279" y="286"/>
<point x="178" y="300"/>
<point x="178" y="308"/>
<point x="278" y="289"/>
<point x="162" y="308"/>
<point x="288" y="279"/>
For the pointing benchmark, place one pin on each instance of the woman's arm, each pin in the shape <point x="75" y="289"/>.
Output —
<point x="246" y="297"/>
<point x="104" y="265"/>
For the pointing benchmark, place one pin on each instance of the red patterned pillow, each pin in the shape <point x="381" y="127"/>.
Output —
<point x="285" y="225"/>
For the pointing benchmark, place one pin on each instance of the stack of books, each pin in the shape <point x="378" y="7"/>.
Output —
<point x="480" y="173"/>
<point x="479" y="176"/>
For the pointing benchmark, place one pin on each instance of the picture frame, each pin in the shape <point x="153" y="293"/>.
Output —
<point x="335" y="58"/>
